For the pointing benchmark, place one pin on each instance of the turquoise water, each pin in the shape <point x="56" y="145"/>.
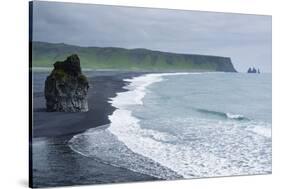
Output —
<point x="239" y="98"/>
<point x="193" y="124"/>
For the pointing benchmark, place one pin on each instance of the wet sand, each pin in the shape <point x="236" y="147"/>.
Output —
<point x="53" y="162"/>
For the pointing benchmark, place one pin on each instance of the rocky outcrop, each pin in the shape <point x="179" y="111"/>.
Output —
<point x="66" y="88"/>
<point x="253" y="70"/>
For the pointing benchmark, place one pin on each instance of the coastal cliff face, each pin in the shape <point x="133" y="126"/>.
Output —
<point x="129" y="59"/>
<point x="66" y="87"/>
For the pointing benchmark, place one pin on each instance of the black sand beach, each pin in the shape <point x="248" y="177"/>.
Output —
<point x="51" y="124"/>
<point x="54" y="163"/>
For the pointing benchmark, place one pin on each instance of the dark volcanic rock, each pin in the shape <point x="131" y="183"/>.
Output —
<point x="66" y="88"/>
<point x="250" y="70"/>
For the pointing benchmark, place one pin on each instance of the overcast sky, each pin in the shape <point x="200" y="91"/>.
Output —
<point x="244" y="38"/>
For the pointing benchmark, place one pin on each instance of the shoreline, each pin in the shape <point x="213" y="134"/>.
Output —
<point x="102" y="88"/>
<point x="52" y="155"/>
<point x="61" y="161"/>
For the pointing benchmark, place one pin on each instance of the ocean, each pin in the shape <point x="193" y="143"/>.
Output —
<point x="187" y="125"/>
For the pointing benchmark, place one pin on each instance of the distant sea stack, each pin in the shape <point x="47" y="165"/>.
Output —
<point x="253" y="70"/>
<point x="66" y="88"/>
<point x="113" y="58"/>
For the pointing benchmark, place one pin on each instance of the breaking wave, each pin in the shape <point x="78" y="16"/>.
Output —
<point x="206" y="148"/>
<point x="223" y="114"/>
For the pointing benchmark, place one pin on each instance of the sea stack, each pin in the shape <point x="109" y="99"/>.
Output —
<point x="250" y="70"/>
<point x="66" y="88"/>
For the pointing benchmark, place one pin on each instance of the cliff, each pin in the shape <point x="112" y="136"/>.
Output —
<point x="66" y="87"/>
<point x="128" y="59"/>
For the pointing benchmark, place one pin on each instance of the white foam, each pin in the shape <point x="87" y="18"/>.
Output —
<point x="101" y="144"/>
<point x="137" y="89"/>
<point x="262" y="131"/>
<point x="260" y="128"/>
<point x="234" y="116"/>
<point x="216" y="151"/>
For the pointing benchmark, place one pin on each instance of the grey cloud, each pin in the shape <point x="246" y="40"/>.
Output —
<point x="244" y="38"/>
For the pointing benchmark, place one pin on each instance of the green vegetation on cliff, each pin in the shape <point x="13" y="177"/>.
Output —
<point x="45" y="54"/>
